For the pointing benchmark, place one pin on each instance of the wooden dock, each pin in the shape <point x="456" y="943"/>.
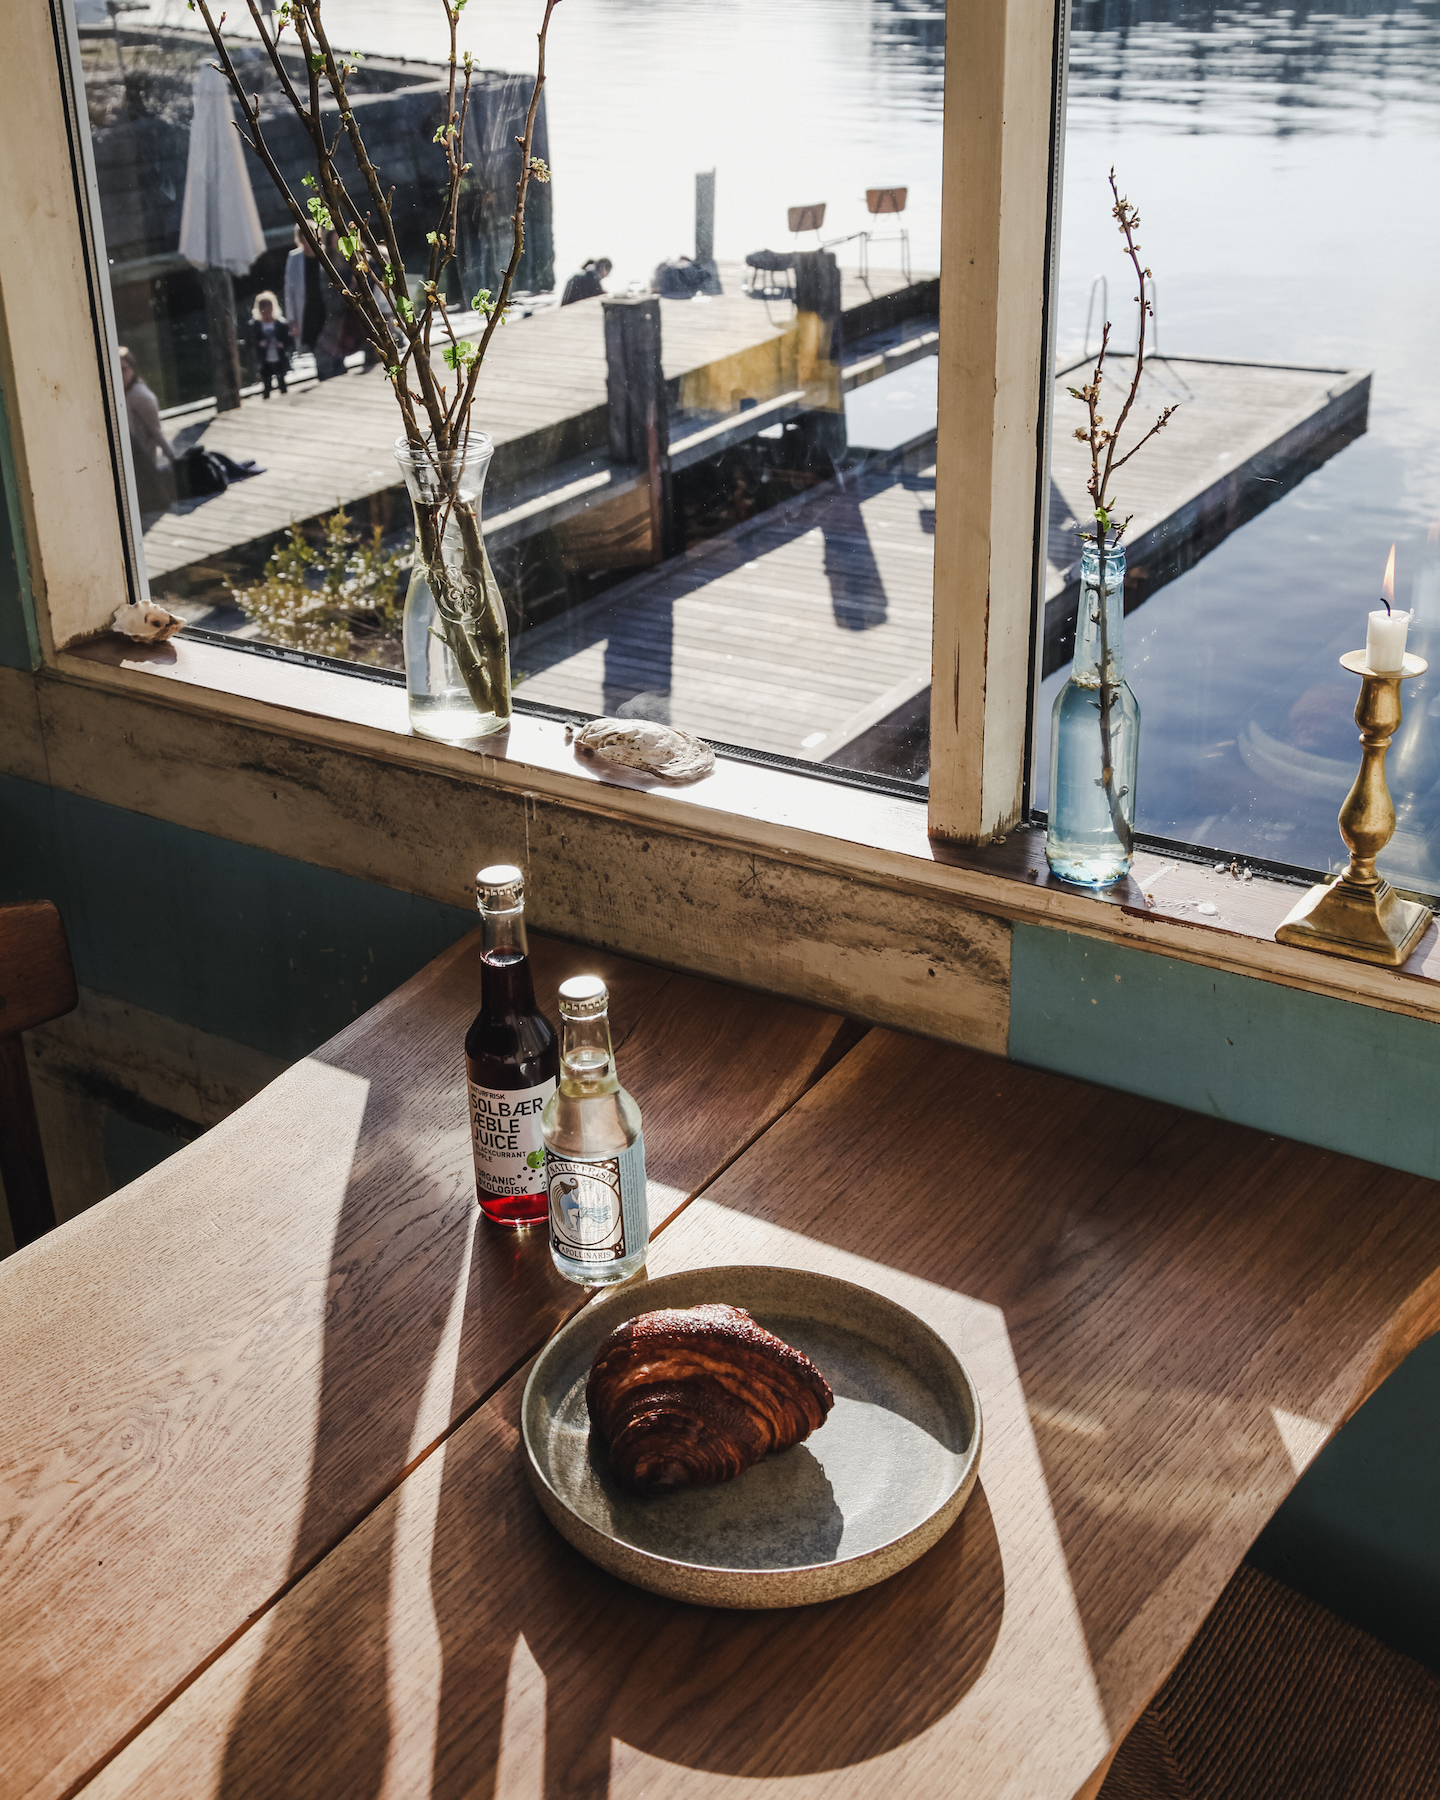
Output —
<point x="792" y="633"/>
<point x="808" y="630"/>
<point x="542" y="399"/>
<point x="1245" y="434"/>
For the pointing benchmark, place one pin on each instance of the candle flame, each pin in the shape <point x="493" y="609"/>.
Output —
<point x="1387" y="586"/>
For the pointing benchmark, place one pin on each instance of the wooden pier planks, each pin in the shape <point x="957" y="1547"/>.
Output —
<point x="1230" y="413"/>
<point x="811" y="625"/>
<point x="779" y="636"/>
<point x="1244" y="434"/>
<point x="542" y="399"/>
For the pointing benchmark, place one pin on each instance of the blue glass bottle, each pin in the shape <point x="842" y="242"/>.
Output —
<point x="1095" y="737"/>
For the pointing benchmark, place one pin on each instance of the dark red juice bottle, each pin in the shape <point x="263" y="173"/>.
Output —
<point x="512" y="1060"/>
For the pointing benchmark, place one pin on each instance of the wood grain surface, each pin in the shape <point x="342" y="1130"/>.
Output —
<point x="779" y="635"/>
<point x="1165" y="1316"/>
<point x="213" y="1375"/>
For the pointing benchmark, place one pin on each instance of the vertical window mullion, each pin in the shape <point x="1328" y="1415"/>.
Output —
<point x="1003" y="136"/>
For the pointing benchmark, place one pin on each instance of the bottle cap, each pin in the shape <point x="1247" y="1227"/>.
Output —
<point x="500" y="888"/>
<point x="583" y="997"/>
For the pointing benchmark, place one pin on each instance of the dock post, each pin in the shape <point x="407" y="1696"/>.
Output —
<point x="818" y="327"/>
<point x="705" y="230"/>
<point x="639" y="411"/>
<point x="705" y="216"/>
<point x="223" y="335"/>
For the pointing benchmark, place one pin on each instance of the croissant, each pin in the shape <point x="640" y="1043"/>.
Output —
<point x="689" y="1397"/>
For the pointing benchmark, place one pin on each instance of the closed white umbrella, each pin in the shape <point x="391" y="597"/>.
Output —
<point x="219" y="222"/>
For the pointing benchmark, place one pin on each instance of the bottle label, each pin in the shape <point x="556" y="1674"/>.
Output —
<point x="597" y="1209"/>
<point x="505" y="1134"/>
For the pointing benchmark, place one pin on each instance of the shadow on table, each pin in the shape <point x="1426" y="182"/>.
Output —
<point x="386" y="1310"/>
<point x="762" y="1695"/>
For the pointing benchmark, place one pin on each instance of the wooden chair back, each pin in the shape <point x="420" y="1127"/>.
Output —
<point x="37" y="984"/>
<point x="886" y="200"/>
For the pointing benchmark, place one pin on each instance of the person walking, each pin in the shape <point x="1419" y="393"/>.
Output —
<point x="343" y="330"/>
<point x="305" y="286"/>
<point x="152" y="452"/>
<point x="272" y="341"/>
<point x="587" y="283"/>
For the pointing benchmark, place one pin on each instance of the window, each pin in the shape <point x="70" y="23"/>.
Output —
<point x="760" y="570"/>
<point x="1285" y="164"/>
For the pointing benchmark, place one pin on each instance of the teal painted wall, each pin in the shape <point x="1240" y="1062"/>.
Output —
<point x="1361" y="1531"/>
<point x="19" y="643"/>
<point x="259" y="948"/>
<point x="1346" y="1077"/>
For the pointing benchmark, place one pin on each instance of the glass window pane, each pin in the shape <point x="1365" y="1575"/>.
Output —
<point x="754" y="561"/>
<point x="1285" y="163"/>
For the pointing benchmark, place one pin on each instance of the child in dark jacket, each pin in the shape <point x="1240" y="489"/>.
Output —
<point x="273" y="340"/>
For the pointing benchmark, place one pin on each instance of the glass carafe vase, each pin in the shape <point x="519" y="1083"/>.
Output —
<point x="1095" y="737"/>
<point x="457" y="642"/>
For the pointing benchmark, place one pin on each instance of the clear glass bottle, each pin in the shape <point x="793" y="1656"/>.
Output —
<point x="594" y="1150"/>
<point x="1095" y="738"/>
<point x="454" y="631"/>
<point x="512" y="1061"/>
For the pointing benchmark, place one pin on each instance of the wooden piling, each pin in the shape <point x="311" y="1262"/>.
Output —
<point x="639" y="414"/>
<point x="817" y="306"/>
<point x="224" y="341"/>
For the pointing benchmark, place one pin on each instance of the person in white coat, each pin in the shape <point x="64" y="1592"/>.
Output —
<point x="152" y="451"/>
<point x="305" y="286"/>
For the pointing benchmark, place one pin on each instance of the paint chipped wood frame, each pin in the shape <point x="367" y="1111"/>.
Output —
<point x="58" y="369"/>
<point x="1004" y="125"/>
<point x="800" y="887"/>
<point x="1001" y="157"/>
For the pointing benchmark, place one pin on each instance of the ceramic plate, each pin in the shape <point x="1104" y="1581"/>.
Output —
<point x="881" y="1481"/>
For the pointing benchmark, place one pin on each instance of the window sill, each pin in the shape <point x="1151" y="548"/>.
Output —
<point x="817" y="824"/>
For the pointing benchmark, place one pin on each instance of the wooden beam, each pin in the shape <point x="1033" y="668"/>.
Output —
<point x="322" y="767"/>
<point x="61" y="380"/>
<point x="1001" y="165"/>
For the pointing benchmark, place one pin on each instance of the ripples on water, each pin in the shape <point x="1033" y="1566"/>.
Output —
<point x="1287" y="163"/>
<point x="1267" y="70"/>
<point x="813" y="100"/>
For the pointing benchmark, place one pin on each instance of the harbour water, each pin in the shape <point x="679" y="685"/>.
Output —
<point x="1286" y="163"/>
<point x="812" y="101"/>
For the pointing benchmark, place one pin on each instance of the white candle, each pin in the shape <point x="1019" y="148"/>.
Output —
<point x="1385" y="641"/>
<point x="1386" y="631"/>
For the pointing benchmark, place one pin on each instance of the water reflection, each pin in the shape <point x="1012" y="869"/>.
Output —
<point x="1264" y="67"/>
<point x="1285" y="160"/>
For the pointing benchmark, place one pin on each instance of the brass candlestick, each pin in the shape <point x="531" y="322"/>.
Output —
<point x="1360" y="914"/>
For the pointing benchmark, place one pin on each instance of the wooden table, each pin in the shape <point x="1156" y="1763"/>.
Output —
<point x="215" y="1375"/>
<point x="325" y="1573"/>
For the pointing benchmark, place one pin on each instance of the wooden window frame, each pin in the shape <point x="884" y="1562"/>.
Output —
<point x="946" y="872"/>
<point x="1001" y="163"/>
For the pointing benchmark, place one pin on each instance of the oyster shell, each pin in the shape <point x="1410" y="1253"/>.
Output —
<point x="661" y="750"/>
<point x="149" y="623"/>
